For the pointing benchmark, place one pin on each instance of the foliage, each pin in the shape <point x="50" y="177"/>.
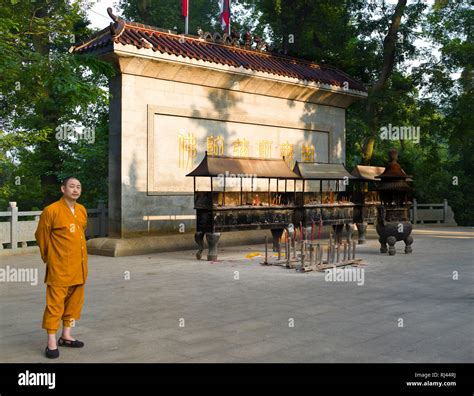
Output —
<point x="42" y="87"/>
<point x="419" y="73"/>
<point x="167" y="14"/>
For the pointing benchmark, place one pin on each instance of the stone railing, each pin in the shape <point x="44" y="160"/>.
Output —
<point x="432" y="213"/>
<point x="16" y="233"/>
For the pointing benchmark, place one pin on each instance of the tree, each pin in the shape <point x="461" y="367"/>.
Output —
<point x="451" y="85"/>
<point x="167" y="14"/>
<point x="43" y="87"/>
<point x="373" y="100"/>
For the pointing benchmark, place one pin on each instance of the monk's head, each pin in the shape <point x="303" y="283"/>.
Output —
<point x="71" y="188"/>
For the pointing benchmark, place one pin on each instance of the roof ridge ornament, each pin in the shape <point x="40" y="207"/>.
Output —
<point x="118" y="27"/>
<point x="114" y="18"/>
<point x="249" y="42"/>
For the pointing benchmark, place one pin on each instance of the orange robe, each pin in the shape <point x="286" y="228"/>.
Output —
<point x="62" y="242"/>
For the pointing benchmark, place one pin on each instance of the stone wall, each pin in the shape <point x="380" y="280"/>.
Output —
<point x="159" y="106"/>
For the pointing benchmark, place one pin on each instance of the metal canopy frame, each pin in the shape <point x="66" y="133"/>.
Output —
<point x="214" y="166"/>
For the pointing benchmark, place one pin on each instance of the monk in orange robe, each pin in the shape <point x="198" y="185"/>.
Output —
<point x="62" y="242"/>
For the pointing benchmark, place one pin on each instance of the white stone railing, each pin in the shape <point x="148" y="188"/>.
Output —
<point x="432" y="213"/>
<point x="15" y="233"/>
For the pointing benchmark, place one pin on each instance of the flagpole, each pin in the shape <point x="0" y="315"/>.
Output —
<point x="186" y="16"/>
<point x="225" y="14"/>
<point x="230" y="16"/>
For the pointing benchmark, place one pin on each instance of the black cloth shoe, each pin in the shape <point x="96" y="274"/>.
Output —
<point x="52" y="353"/>
<point x="69" y="343"/>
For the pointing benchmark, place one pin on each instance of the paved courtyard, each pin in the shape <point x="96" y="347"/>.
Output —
<point x="173" y="308"/>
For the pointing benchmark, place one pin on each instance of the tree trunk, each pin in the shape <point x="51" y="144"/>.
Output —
<point x="389" y="49"/>
<point x="50" y="149"/>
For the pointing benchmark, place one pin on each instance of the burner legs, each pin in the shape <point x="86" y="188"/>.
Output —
<point x="361" y="231"/>
<point x="391" y="240"/>
<point x="349" y="232"/>
<point x="408" y="241"/>
<point x="276" y="234"/>
<point x="338" y="228"/>
<point x="212" y="241"/>
<point x="383" y="245"/>
<point x="199" y="238"/>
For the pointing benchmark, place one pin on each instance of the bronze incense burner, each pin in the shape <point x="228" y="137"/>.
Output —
<point x="393" y="214"/>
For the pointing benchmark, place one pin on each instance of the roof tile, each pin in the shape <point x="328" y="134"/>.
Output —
<point x="131" y="33"/>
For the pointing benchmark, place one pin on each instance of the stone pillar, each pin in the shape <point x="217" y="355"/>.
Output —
<point x="102" y="218"/>
<point x="13" y="225"/>
<point x="445" y="209"/>
<point x="415" y="211"/>
<point x="115" y="158"/>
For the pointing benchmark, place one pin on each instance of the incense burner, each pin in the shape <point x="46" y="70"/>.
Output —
<point x="393" y="214"/>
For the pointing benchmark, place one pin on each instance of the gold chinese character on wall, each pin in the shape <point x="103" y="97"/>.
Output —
<point x="307" y="153"/>
<point x="215" y="145"/>
<point x="265" y="148"/>
<point x="287" y="150"/>
<point x="187" y="151"/>
<point x="241" y="147"/>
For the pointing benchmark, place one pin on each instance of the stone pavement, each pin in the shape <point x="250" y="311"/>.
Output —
<point x="177" y="309"/>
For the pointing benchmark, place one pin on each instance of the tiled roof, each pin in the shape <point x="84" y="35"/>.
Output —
<point x="163" y="41"/>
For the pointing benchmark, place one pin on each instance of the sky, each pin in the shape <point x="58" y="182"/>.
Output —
<point x="99" y="18"/>
<point x="98" y="13"/>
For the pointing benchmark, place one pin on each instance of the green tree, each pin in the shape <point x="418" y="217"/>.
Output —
<point x="167" y="14"/>
<point x="451" y="84"/>
<point x="42" y="86"/>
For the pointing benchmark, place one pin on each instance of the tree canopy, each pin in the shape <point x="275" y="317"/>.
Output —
<point x="416" y="58"/>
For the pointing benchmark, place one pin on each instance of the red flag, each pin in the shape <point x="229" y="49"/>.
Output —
<point x="225" y="13"/>
<point x="185" y="8"/>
